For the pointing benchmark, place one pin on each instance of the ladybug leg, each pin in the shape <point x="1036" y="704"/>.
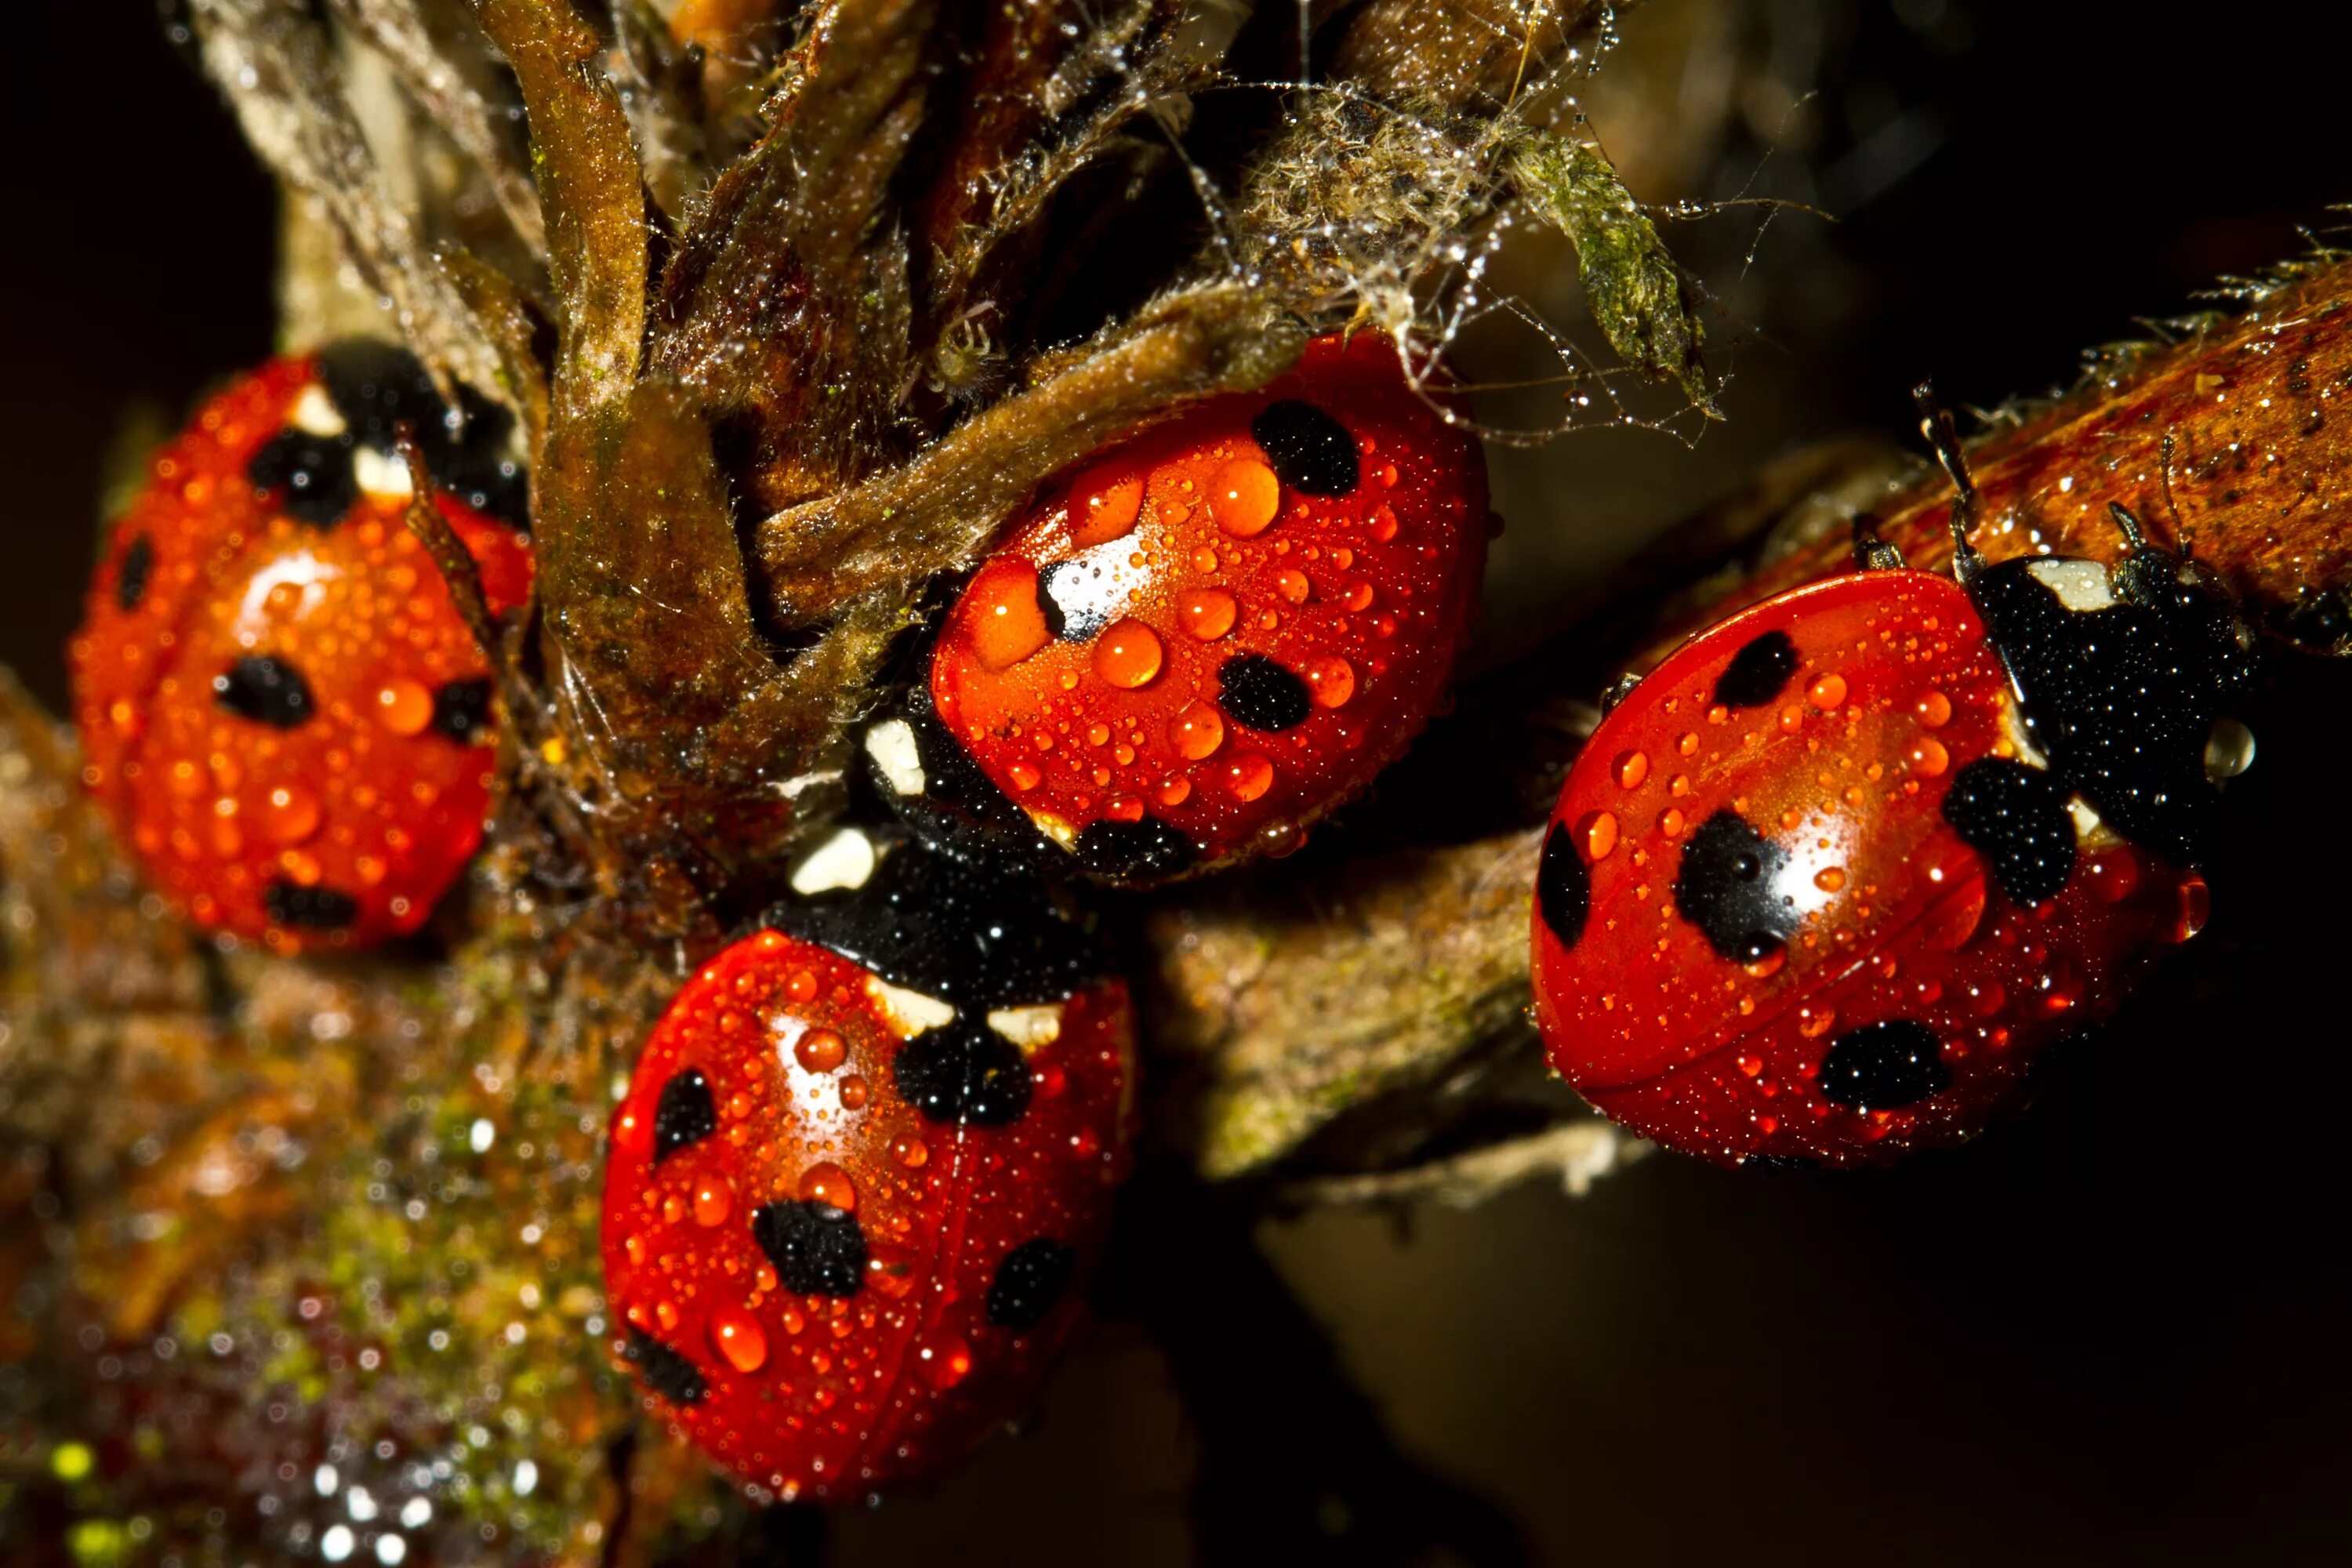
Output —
<point x="1619" y="690"/>
<point x="1935" y="423"/>
<point x="1871" y="553"/>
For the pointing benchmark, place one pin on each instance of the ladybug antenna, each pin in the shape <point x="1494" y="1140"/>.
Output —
<point x="2164" y="484"/>
<point x="1944" y="438"/>
<point x="2134" y="537"/>
<point x="1871" y="553"/>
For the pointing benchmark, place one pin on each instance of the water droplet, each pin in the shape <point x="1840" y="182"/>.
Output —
<point x="1827" y="692"/>
<point x="1244" y="496"/>
<point x="1935" y="710"/>
<point x="946" y="1361"/>
<point x="821" y="1051"/>
<point x="1988" y="998"/>
<point x="1384" y="524"/>
<point x="1331" y="681"/>
<point x="1204" y="558"/>
<point x="826" y="1182"/>
<point x="1830" y="878"/>
<point x="1928" y="757"/>
<point x="2115" y="874"/>
<point x="288" y="814"/>
<point x="801" y="985"/>
<point x="1630" y="768"/>
<point x="714" y="1200"/>
<point x="1679" y="785"/>
<point x="1815" y="1022"/>
<point x="1025" y="776"/>
<point x="1767" y="966"/>
<point x="1122" y="808"/>
<point x="854" y="1092"/>
<point x="1175" y="792"/>
<point x="1207" y="612"/>
<point x="1791" y="720"/>
<point x="737" y="1337"/>
<point x="911" y="1152"/>
<point x="405" y="707"/>
<point x="1007" y="626"/>
<point x="1670" y="821"/>
<point x="1128" y="655"/>
<point x="1197" y="731"/>
<point x="1597" y="832"/>
<point x="1293" y="585"/>
<point x="1103" y="506"/>
<point x="1688" y="744"/>
<point x="1359" y="596"/>
<point x="1248" y="776"/>
<point x="2195" y="908"/>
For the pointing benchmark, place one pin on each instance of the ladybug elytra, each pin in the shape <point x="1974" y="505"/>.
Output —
<point x="1823" y="885"/>
<point x="279" y="705"/>
<point x="1209" y="637"/>
<point x="865" y="1159"/>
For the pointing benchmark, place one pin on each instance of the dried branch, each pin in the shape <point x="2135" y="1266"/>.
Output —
<point x="1575" y="1154"/>
<point x="397" y="31"/>
<point x="273" y="63"/>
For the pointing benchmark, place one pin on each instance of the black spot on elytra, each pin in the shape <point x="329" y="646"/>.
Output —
<point x="1882" y="1065"/>
<point x="1080" y="597"/>
<point x="980" y="936"/>
<point x="266" y="689"/>
<point x="310" y="475"/>
<point x="2016" y="817"/>
<point x="665" y="1371"/>
<point x="1029" y="1282"/>
<point x="962" y="1072"/>
<point x="1757" y="671"/>
<point x="1255" y="691"/>
<point x="1724" y="889"/>
<point x="1146" y="851"/>
<point x="1563" y="885"/>
<point x="1310" y="451"/>
<point x="130" y="579"/>
<point x="2121" y="700"/>
<point x="818" y="1249"/>
<point x="684" y="1114"/>
<point x="461" y="709"/>
<point x="308" y="909"/>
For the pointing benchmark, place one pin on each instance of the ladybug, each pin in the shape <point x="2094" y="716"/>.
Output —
<point x="865" y="1159"/>
<point x="281" y="709"/>
<point x="1209" y="637"/>
<point x="1821" y="886"/>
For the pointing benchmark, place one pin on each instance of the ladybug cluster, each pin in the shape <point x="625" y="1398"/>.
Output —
<point x="1824" y="883"/>
<point x="1209" y="637"/>
<point x="281" y="708"/>
<point x="865" y="1157"/>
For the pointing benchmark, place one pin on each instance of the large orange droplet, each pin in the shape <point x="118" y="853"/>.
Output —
<point x="1207" y="612"/>
<point x="826" y="1182"/>
<point x="288" y="814"/>
<point x="1244" y="496"/>
<point x="404" y="706"/>
<point x="1128" y="655"/>
<point x="1248" y="776"/>
<point x="714" y="1200"/>
<point x="1331" y="681"/>
<point x="1928" y="757"/>
<point x="1197" y="731"/>
<point x="1103" y="505"/>
<point x="821" y="1051"/>
<point x="1006" y="624"/>
<point x="737" y="1335"/>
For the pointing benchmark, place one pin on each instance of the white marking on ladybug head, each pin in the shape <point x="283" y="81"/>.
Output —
<point x="314" y="412"/>
<point x="382" y="476"/>
<point x="909" y="1013"/>
<point x="2229" y="750"/>
<point x="2081" y="585"/>
<point x="1031" y="1029"/>
<point x="844" y="860"/>
<point x="891" y="744"/>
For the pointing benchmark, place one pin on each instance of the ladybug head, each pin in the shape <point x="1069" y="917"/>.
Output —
<point x="2121" y="673"/>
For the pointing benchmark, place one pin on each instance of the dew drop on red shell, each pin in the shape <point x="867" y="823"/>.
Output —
<point x="736" y="1336"/>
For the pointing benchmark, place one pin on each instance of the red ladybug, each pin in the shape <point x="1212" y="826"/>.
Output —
<point x="1210" y="636"/>
<point x="1823" y="885"/>
<point x="280" y="706"/>
<point x="864" y="1160"/>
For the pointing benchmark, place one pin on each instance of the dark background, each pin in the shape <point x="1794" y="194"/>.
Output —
<point x="2119" y="1327"/>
